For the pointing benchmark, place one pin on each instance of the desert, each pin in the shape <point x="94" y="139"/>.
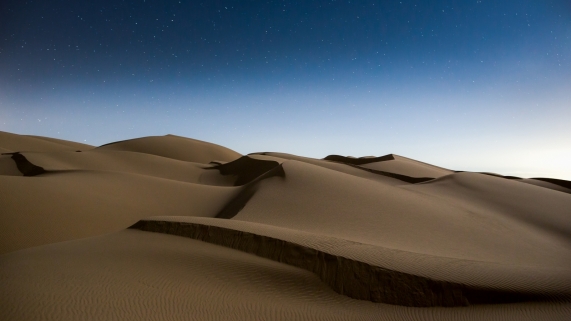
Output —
<point x="173" y="228"/>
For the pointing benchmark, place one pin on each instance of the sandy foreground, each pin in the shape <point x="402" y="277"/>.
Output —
<point x="172" y="228"/>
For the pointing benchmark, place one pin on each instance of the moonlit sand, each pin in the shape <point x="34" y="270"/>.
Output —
<point x="172" y="228"/>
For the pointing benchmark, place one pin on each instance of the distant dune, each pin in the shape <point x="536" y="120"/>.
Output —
<point x="172" y="228"/>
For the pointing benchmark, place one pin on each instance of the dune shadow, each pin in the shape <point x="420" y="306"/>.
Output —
<point x="356" y="162"/>
<point x="249" y="172"/>
<point x="25" y="166"/>
<point x="359" y="161"/>
<point x="558" y="182"/>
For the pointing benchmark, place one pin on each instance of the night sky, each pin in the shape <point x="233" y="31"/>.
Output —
<point x="469" y="85"/>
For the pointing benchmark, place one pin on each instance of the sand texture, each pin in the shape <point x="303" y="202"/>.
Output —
<point x="172" y="228"/>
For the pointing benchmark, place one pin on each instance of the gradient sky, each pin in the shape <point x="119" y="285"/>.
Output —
<point x="468" y="85"/>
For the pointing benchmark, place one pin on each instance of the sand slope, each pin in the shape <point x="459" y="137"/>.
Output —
<point x="76" y="204"/>
<point x="545" y="184"/>
<point x="336" y="166"/>
<point x="18" y="143"/>
<point x="412" y="228"/>
<point x="134" y="275"/>
<point x="410" y="167"/>
<point x="175" y="147"/>
<point x="119" y="161"/>
<point x="8" y="166"/>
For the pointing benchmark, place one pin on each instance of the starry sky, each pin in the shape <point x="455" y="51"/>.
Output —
<point x="464" y="84"/>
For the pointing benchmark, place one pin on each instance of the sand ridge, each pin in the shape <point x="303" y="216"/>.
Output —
<point x="355" y="278"/>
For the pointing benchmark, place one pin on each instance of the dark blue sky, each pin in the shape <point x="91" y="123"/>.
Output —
<point x="448" y="82"/>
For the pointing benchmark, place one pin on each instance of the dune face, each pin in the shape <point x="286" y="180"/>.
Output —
<point x="19" y="143"/>
<point x="8" y="166"/>
<point x="175" y="147"/>
<point x="168" y="227"/>
<point x="552" y="183"/>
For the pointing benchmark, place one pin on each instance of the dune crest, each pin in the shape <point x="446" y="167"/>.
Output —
<point x="175" y="147"/>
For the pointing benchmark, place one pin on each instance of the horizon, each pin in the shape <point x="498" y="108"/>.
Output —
<point x="480" y="86"/>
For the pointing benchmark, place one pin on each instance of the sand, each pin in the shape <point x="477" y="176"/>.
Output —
<point x="167" y="227"/>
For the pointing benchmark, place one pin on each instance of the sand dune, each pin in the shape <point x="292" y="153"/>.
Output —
<point x="119" y="161"/>
<point x="75" y="204"/>
<point x="406" y="166"/>
<point x="555" y="184"/>
<point x="272" y="236"/>
<point x="336" y="166"/>
<point x="134" y="275"/>
<point x="360" y="278"/>
<point x="19" y="143"/>
<point x="389" y="216"/>
<point x="175" y="147"/>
